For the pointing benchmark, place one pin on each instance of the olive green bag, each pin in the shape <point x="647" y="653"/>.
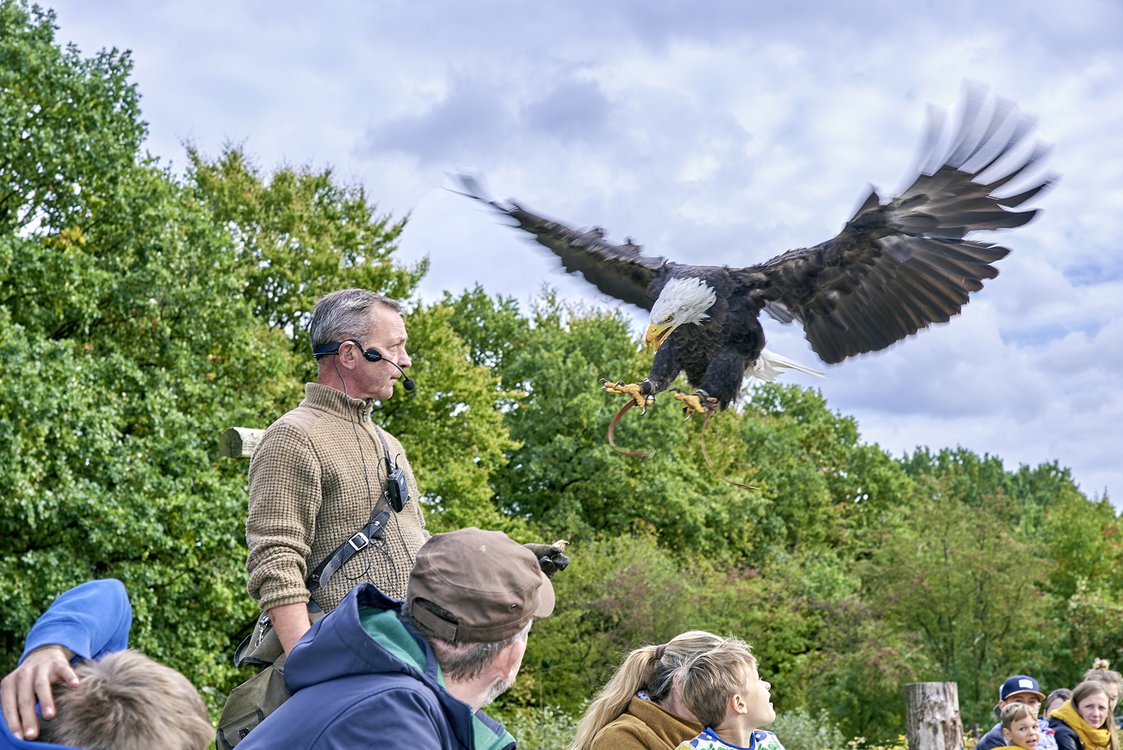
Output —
<point x="253" y="700"/>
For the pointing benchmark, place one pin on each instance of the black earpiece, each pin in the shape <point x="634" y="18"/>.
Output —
<point x="372" y="355"/>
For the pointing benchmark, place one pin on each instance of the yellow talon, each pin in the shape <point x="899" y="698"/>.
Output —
<point x="632" y="390"/>
<point x="698" y="402"/>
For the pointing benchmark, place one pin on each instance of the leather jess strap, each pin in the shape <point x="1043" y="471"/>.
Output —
<point x="359" y="541"/>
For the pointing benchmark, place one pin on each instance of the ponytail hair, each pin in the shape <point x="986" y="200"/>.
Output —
<point x="1101" y="671"/>
<point x="648" y="668"/>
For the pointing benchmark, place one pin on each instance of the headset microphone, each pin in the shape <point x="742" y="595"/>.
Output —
<point x="407" y="381"/>
<point x="372" y="355"/>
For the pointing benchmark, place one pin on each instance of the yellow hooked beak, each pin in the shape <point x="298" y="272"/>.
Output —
<point x="657" y="334"/>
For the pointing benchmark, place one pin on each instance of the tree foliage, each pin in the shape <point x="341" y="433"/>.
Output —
<point x="296" y="233"/>
<point x="939" y="579"/>
<point x="141" y="314"/>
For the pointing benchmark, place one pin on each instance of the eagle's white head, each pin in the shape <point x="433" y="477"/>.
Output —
<point x="683" y="300"/>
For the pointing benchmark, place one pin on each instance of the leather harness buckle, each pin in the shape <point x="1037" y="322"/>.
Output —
<point x="363" y="541"/>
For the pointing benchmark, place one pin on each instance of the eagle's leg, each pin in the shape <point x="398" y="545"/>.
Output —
<point x="640" y="393"/>
<point x="698" y="402"/>
<point x="721" y="382"/>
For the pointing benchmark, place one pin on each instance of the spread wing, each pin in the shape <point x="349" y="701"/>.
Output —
<point x="620" y="271"/>
<point x="903" y="264"/>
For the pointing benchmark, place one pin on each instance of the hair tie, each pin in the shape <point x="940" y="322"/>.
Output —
<point x="659" y="651"/>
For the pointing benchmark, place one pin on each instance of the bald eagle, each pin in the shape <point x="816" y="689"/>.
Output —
<point x="898" y="265"/>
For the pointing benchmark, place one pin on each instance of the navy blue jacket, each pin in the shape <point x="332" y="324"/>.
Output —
<point x="362" y="678"/>
<point x="1066" y="738"/>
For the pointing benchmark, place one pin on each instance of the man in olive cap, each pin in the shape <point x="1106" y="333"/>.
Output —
<point x="377" y="671"/>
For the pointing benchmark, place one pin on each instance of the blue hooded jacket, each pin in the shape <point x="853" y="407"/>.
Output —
<point x="362" y="678"/>
<point x="92" y="620"/>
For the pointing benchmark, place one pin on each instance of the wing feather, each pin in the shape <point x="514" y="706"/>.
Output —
<point x="903" y="263"/>
<point x="620" y="271"/>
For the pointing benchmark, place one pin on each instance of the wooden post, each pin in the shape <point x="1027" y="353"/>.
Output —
<point x="239" y="442"/>
<point x="933" y="716"/>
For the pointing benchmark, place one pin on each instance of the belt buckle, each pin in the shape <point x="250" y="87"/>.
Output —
<point x="364" y="540"/>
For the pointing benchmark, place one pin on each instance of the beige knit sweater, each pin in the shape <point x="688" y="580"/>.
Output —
<point x="309" y="481"/>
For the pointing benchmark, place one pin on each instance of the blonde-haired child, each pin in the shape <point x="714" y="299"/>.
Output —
<point x="723" y="689"/>
<point x="1019" y="727"/>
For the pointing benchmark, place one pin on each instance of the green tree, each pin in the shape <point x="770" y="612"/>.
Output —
<point x="111" y="409"/>
<point x="1095" y="620"/>
<point x="103" y="470"/>
<point x="948" y="581"/>
<point x="299" y="233"/>
<point x="128" y="342"/>
<point x="1083" y="544"/>
<point x="618" y="594"/>
<point x="824" y="488"/>
<point x="1083" y="540"/>
<point x="452" y="427"/>
<point x="69" y="128"/>
<point x="857" y="673"/>
<point x="563" y="475"/>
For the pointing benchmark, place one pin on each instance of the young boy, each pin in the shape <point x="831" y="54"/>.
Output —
<point x="1019" y="727"/>
<point x="1020" y="688"/>
<point x="724" y="691"/>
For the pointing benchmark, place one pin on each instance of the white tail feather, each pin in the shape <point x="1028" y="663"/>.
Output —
<point x="769" y="366"/>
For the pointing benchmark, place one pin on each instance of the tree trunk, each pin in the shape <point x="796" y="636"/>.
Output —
<point x="933" y="716"/>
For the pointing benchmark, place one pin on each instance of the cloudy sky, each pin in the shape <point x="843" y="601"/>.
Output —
<point x="711" y="132"/>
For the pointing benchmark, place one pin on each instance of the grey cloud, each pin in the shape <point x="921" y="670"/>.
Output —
<point x="471" y="120"/>
<point x="573" y="110"/>
<point x="1080" y="27"/>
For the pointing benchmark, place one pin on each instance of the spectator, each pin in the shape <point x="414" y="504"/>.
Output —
<point x="1101" y="670"/>
<point x="1055" y="700"/>
<point x="1022" y="689"/>
<point x="1019" y="727"/>
<point x="379" y="672"/>
<point x="640" y="707"/>
<point x="1112" y="681"/>
<point x="722" y="687"/>
<point x="108" y="697"/>
<point x="1084" y="721"/>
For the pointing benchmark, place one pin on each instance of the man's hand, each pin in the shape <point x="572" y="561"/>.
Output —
<point x="31" y="682"/>
<point x="551" y="557"/>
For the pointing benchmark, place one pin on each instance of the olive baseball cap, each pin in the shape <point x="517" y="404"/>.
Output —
<point x="476" y="586"/>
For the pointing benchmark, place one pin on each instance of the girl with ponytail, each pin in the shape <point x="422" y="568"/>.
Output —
<point x="640" y="707"/>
